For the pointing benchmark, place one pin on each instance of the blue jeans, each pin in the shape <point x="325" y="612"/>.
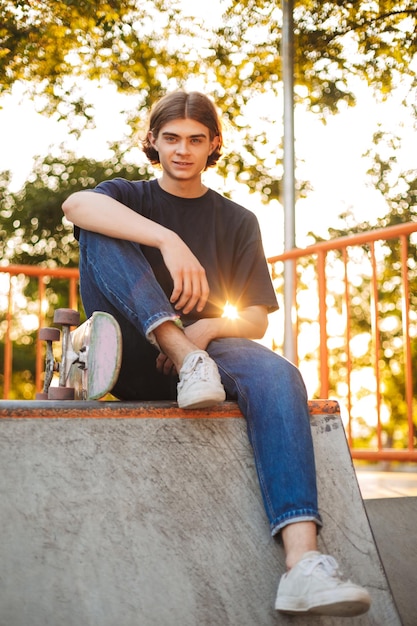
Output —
<point x="116" y="277"/>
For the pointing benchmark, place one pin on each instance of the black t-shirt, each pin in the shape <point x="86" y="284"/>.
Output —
<point x="224" y="236"/>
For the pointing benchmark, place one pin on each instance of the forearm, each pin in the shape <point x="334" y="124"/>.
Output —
<point x="101" y="214"/>
<point x="251" y="323"/>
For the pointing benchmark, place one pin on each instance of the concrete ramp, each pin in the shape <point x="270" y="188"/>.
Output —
<point x="132" y="517"/>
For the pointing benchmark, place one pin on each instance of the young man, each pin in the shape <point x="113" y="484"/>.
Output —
<point x="164" y="257"/>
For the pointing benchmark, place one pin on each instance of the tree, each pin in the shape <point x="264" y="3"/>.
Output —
<point x="146" y="48"/>
<point x="33" y="229"/>
<point x="51" y="44"/>
<point x="333" y="42"/>
<point x="135" y="45"/>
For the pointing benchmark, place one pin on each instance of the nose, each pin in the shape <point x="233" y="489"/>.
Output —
<point x="182" y="147"/>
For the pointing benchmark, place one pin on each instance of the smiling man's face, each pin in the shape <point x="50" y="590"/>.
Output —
<point x="184" y="146"/>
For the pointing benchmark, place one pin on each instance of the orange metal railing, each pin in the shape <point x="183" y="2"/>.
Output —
<point x="317" y="255"/>
<point x="41" y="274"/>
<point x="345" y="245"/>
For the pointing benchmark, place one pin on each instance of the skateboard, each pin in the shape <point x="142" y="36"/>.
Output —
<point x="91" y="356"/>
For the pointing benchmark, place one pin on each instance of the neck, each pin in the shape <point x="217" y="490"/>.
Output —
<point x="182" y="189"/>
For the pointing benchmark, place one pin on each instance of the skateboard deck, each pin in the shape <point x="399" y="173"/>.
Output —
<point x="91" y="356"/>
<point x="99" y="341"/>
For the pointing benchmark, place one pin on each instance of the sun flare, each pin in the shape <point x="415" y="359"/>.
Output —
<point x="230" y="311"/>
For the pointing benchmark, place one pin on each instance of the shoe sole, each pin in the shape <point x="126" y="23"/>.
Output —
<point x="343" y="608"/>
<point x="202" y="402"/>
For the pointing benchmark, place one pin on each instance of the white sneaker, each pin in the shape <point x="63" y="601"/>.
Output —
<point x="313" y="586"/>
<point x="200" y="385"/>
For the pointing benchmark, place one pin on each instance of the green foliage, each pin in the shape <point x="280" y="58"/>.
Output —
<point x="47" y="42"/>
<point x="32" y="228"/>
<point x="333" y="42"/>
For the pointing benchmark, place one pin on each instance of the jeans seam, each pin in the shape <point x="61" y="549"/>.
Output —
<point x="301" y="515"/>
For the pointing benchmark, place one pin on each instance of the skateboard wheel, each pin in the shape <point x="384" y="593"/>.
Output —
<point x="67" y="317"/>
<point x="61" y="393"/>
<point x="49" y="334"/>
<point x="42" y="396"/>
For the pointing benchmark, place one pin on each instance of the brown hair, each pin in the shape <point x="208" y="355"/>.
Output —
<point x="181" y="105"/>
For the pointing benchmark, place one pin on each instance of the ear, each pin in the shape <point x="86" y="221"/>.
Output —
<point x="214" y="143"/>
<point x="152" y="140"/>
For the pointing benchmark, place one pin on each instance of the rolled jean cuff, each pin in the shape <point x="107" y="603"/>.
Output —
<point x="150" y="335"/>
<point x="293" y="519"/>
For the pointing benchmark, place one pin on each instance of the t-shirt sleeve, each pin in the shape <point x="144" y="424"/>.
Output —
<point x="251" y="283"/>
<point x="119" y="189"/>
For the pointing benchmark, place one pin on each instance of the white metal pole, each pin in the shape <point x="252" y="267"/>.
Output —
<point x="289" y="176"/>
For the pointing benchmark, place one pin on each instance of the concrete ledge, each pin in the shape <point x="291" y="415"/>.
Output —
<point x="100" y="409"/>
<point x="159" y="522"/>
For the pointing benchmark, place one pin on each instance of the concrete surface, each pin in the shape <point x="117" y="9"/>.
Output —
<point x="387" y="484"/>
<point x="157" y="522"/>
<point x="393" y="522"/>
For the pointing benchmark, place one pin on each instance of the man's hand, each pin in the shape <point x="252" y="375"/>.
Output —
<point x="95" y="212"/>
<point x="164" y="365"/>
<point x="191" y="288"/>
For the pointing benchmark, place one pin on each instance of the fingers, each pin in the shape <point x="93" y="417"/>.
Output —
<point x="191" y="290"/>
<point x="191" y="287"/>
<point x="164" y="365"/>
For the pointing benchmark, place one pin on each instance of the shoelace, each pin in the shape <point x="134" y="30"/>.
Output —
<point x="326" y="562"/>
<point x="196" y="367"/>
